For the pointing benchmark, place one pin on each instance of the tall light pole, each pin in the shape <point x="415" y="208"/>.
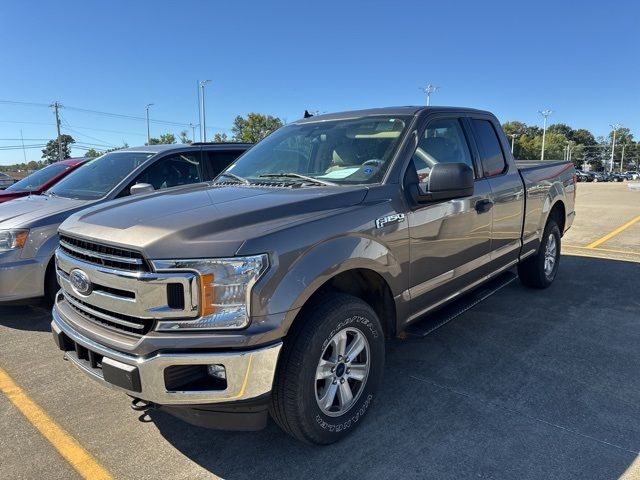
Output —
<point x="621" y="159"/>
<point x="199" y="110"/>
<point x="204" y="118"/>
<point x="513" y="140"/>
<point x="615" y="128"/>
<point x="148" y="130"/>
<point x="428" y="90"/>
<point x="545" y="114"/>
<point x="193" y="132"/>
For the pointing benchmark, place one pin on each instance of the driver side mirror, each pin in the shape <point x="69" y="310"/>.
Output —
<point x="446" y="181"/>
<point x="139" y="188"/>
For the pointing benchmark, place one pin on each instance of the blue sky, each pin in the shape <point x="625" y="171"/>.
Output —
<point x="513" y="58"/>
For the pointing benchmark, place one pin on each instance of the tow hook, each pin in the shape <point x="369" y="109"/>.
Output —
<point x="140" y="405"/>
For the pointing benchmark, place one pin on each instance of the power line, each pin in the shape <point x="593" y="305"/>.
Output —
<point x="72" y="129"/>
<point x="30" y="139"/>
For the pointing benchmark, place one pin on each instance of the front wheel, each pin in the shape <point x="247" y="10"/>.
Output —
<point x="540" y="270"/>
<point x="329" y="370"/>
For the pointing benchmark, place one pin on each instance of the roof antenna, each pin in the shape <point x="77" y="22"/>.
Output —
<point x="307" y="114"/>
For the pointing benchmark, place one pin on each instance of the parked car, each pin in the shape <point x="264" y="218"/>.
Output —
<point x="29" y="225"/>
<point x="583" y="176"/>
<point x="41" y="180"/>
<point x="5" y="181"/>
<point x="598" y="177"/>
<point x="274" y="288"/>
<point x="633" y="175"/>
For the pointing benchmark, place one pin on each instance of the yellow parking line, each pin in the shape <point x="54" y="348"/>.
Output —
<point x="601" y="256"/>
<point x="626" y="252"/>
<point x="609" y="235"/>
<point x="67" y="446"/>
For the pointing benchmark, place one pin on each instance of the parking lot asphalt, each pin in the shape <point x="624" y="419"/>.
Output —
<point x="528" y="384"/>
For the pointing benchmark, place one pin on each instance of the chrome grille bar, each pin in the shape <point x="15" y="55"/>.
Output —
<point x="95" y="313"/>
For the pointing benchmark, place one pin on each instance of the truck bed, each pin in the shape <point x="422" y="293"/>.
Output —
<point x="539" y="178"/>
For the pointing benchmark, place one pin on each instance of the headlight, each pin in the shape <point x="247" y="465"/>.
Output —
<point x="13" y="239"/>
<point x="225" y="285"/>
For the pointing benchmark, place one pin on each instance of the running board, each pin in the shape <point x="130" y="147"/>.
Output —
<point x="437" y="319"/>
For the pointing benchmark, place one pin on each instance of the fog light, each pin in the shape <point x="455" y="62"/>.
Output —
<point x="217" y="371"/>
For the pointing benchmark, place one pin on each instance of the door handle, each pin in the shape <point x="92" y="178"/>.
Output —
<point x="483" y="206"/>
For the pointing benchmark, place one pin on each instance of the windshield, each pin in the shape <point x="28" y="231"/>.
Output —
<point x="39" y="178"/>
<point x="352" y="151"/>
<point x="99" y="176"/>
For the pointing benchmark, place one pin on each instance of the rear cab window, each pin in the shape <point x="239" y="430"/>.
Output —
<point x="217" y="160"/>
<point x="491" y="155"/>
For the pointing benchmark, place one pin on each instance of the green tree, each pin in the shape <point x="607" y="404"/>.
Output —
<point x="165" y="138"/>
<point x="255" y="127"/>
<point x="513" y="127"/>
<point x="92" y="153"/>
<point x="50" y="151"/>
<point x="220" y="138"/>
<point x="562" y="129"/>
<point x="184" y="137"/>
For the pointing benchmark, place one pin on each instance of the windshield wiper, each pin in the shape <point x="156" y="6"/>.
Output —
<point x="301" y="177"/>
<point x="236" y="177"/>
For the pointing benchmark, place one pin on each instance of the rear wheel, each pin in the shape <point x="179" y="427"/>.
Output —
<point x="329" y="370"/>
<point x="540" y="270"/>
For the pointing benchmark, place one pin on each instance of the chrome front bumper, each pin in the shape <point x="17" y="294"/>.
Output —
<point x="249" y="373"/>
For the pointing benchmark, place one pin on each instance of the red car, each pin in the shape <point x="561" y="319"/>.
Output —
<point x="41" y="180"/>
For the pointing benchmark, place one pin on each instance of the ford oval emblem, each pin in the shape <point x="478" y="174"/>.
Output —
<point x="80" y="282"/>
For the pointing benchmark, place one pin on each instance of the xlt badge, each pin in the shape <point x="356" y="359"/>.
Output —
<point x="389" y="219"/>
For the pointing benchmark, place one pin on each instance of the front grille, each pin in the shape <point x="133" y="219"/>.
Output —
<point x="108" y="319"/>
<point x="103" y="255"/>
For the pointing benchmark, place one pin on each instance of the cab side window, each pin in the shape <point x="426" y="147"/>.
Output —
<point x="443" y="141"/>
<point x="172" y="171"/>
<point x="491" y="155"/>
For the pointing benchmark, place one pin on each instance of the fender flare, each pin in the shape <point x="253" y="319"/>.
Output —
<point x="290" y="290"/>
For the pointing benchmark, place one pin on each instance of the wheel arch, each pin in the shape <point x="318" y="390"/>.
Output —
<point x="355" y="265"/>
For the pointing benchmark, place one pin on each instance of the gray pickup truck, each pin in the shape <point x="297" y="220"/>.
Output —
<point x="273" y="289"/>
<point x="29" y="225"/>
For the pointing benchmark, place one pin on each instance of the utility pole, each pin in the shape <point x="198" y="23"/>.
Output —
<point x="24" y="152"/>
<point x="545" y="114"/>
<point x="622" y="158"/>
<point x="428" y="90"/>
<point x="193" y="132"/>
<point x="202" y="84"/>
<point x="615" y="128"/>
<point x="56" y="106"/>
<point x="199" y="111"/>
<point x="513" y="139"/>
<point x="148" y="130"/>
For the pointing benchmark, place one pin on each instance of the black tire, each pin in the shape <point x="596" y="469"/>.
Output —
<point x="51" y="286"/>
<point x="294" y="400"/>
<point x="532" y="271"/>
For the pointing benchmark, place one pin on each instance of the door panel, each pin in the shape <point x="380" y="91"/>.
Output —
<point x="450" y="243"/>
<point x="507" y="193"/>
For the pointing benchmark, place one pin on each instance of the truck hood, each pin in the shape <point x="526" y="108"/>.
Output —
<point x="36" y="210"/>
<point x="205" y="220"/>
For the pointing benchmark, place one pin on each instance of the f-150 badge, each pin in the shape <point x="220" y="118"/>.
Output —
<point x="389" y="219"/>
